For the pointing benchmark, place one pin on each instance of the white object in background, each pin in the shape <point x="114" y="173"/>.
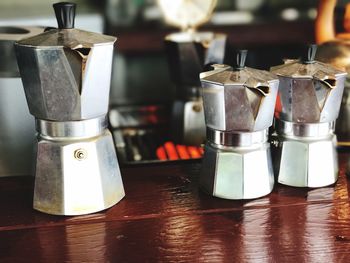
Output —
<point x="90" y="22"/>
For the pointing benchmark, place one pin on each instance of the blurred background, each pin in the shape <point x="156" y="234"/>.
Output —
<point x="270" y="29"/>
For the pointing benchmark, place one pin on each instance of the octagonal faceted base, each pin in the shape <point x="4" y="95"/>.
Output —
<point x="307" y="163"/>
<point x="77" y="177"/>
<point x="237" y="173"/>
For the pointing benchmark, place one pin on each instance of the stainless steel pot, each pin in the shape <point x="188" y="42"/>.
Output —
<point x="188" y="53"/>
<point x="308" y="105"/>
<point x="66" y="75"/>
<point x="238" y="105"/>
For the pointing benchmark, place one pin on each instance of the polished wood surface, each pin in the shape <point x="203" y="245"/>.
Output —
<point x="166" y="218"/>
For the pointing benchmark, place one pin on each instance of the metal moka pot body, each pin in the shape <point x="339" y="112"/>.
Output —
<point x="238" y="106"/>
<point x="308" y="105"/>
<point x="188" y="53"/>
<point x="66" y="77"/>
<point x="65" y="83"/>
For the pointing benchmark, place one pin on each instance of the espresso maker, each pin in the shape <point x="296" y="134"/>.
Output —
<point x="239" y="104"/>
<point x="66" y="76"/>
<point x="307" y="107"/>
<point x="188" y="52"/>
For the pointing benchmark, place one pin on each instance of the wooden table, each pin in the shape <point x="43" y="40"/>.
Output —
<point x="165" y="218"/>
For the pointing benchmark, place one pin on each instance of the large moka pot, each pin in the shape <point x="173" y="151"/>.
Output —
<point x="66" y="75"/>
<point x="239" y="104"/>
<point x="308" y="105"/>
<point x="17" y="129"/>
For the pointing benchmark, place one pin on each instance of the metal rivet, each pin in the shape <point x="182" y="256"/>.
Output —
<point x="80" y="154"/>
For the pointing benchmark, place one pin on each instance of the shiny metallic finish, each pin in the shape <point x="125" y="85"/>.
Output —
<point x="66" y="74"/>
<point x="239" y="173"/>
<point x="307" y="161"/>
<point x="309" y="100"/>
<point x="238" y="106"/>
<point x="66" y="77"/>
<point x="314" y="130"/>
<point x="309" y="93"/>
<point x="188" y="53"/>
<point x="77" y="177"/>
<point x="72" y="129"/>
<point x="237" y="139"/>
<point x="17" y="131"/>
<point x="241" y="100"/>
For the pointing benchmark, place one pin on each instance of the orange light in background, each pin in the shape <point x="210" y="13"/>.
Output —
<point x="181" y="149"/>
<point x="170" y="151"/>
<point x="194" y="152"/>
<point x="161" y="154"/>
<point x="278" y="107"/>
<point x="201" y="150"/>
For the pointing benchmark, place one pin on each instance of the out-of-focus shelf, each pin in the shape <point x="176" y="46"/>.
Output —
<point x="150" y="39"/>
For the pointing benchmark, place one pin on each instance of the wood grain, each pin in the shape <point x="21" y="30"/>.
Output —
<point x="153" y="191"/>
<point x="304" y="233"/>
<point x="166" y="218"/>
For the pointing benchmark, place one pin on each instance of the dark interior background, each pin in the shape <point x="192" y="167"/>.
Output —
<point x="270" y="29"/>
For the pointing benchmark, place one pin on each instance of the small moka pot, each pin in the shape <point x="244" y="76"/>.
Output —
<point x="66" y="76"/>
<point x="188" y="53"/>
<point x="239" y="104"/>
<point x="308" y="104"/>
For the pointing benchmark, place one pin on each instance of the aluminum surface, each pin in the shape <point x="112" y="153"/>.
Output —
<point x="237" y="139"/>
<point x="65" y="85"/>
<point x="241" y="100"/>
<point x="307" y="162"/>
<point x="309" y="93"/>
<point x="67" y="183"/>
<point x="238" y="107"/>
<point x="73" y="129"/>
<point x="66" y="77"/>
<point x="67" y="38"/>
<point x="294" y="129"/>
<point x="245" y="173"/>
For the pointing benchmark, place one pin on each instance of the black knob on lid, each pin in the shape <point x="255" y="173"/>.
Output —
<point x="241" y="55"/>
<point x="65" y="14"/>
<point x="309" y="53"/>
